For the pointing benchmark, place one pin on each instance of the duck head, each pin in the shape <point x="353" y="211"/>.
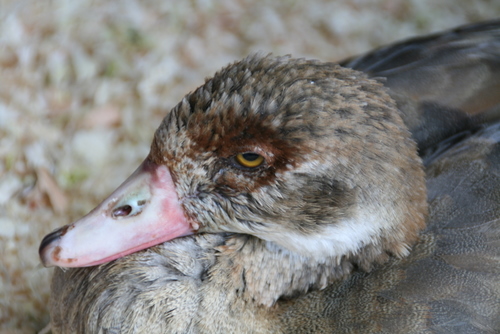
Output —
<point x="309" y="157"/>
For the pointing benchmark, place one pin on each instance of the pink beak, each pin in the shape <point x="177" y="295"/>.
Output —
<point x="144" y="211"/>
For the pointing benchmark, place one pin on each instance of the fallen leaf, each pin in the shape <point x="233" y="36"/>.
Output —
<point x="105" y="116"/>
<point x="47" y="185"/>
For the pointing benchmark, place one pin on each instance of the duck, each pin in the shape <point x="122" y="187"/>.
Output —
<point x="289" y="195"/>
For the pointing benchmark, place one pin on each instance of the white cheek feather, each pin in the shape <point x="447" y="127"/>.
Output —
<point x="340" y="238"/>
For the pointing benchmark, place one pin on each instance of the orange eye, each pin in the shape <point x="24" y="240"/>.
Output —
<point x="249" y="160"/>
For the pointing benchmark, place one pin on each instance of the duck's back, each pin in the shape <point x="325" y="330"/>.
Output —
<point x="443" y="83"/>
<point x="451" y="281"/>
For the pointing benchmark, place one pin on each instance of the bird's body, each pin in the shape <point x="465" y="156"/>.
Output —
<point x="306" y="204"/>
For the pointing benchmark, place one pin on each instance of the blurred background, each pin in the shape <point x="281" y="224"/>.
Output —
<point x="84" y="84"/>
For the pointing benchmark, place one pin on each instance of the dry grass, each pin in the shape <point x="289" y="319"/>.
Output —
<point x="83" y="85"/>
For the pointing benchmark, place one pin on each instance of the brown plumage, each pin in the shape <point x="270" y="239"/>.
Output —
<point x="322" y="234"/>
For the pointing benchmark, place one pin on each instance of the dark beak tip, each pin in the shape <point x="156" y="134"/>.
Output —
<point x="47" y="240"/>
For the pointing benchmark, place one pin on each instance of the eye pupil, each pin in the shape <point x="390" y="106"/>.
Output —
<point x="250" y="156"/>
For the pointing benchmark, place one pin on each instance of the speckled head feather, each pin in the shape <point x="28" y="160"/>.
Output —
<point x="340" y="177"/>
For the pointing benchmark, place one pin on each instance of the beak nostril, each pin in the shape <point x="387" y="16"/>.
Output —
<point x="122" y="211"/>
